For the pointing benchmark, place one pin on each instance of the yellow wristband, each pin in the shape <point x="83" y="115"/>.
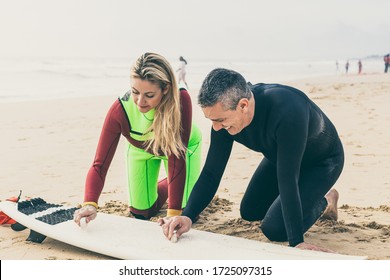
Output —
<point x="94" y="204"/>
<point x="173" y="212"/>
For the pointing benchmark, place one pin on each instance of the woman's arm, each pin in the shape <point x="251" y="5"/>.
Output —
<point x="105" y="151"/>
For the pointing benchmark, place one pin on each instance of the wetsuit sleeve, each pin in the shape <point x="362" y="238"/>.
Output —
<point x="177" y="165"/>
<point x="206" y="186"/>
<point x="291" y="136"/>
<point x="106" y="148"/>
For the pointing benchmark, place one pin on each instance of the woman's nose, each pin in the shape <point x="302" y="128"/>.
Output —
<point x="141" y="100"/>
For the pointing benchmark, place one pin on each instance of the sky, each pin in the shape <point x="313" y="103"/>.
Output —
<point x="199" y="29"/>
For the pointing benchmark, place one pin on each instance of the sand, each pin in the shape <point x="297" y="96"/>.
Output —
<point x="48" y="146"/>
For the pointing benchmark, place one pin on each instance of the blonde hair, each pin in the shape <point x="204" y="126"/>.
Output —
<point x="167" y="118"/>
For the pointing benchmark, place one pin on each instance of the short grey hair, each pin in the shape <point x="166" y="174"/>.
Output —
<point x="225" y="86"/>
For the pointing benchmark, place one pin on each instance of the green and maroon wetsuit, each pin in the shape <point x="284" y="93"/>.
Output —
<point x="146" y="194"/>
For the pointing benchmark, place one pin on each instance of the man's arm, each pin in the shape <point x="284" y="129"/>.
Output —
<point x="291" y="137"/>
<point x="206" y="186"/>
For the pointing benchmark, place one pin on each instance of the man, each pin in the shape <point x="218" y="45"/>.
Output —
<point x="303" y="157"/>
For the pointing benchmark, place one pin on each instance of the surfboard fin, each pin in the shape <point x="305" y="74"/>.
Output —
<point x="18" y="227"/>
<point x="35" y="237"/>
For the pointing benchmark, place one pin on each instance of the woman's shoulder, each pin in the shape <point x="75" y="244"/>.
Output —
<point x="116" y="110"/>
<point x="116" y="105"/>
<point x="184" y="95"/>
<point x="184" y="92"/>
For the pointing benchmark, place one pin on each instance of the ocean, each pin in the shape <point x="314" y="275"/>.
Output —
<point x="23" y="79"/>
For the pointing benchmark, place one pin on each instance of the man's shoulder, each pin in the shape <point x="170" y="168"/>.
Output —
<point x="279" y="96"/>
<point x="262" y="90"/>
<point x="261" y="87"/>
<point x="274" y="88"/>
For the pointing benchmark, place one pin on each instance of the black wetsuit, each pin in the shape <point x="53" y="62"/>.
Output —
<point x="303" y="158"/>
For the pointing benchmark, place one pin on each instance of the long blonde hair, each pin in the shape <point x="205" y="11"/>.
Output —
<point x="167" y="118"/>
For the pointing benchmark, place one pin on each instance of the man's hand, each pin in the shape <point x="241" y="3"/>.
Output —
<point x="177" y="224"/>
<point x="307" y="246"/>
<point x="88" y="212"/>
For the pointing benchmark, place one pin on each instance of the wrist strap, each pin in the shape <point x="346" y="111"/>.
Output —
<point x="94" y="204"/>
<point x="173" y="212"/>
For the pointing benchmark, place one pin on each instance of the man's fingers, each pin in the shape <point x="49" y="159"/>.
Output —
<point x="174" y="226"/>
<point x="185" y="226"/>
<point x="181" y="230"/>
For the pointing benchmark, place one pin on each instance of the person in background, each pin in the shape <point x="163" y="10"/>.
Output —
<point x="303" y="157"/>
<point x="155" y="117"/>
<point x="360" y="66"/>
<point x="386" y="59"/>
<point x="182" y="71"/>
<point x="346" y="67"/>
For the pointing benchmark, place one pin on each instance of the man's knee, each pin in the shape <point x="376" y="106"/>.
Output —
<point x="250" y="215"/>
<point x="274" y="231"/>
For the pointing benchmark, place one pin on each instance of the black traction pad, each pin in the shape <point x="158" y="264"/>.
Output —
<point x="35" y="205"/>
<point x="59" y="216"/>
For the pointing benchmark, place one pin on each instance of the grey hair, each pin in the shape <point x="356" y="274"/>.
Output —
<point x="225" y="86"/>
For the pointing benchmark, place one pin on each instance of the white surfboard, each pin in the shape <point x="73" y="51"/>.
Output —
<point x="127" y="238"/>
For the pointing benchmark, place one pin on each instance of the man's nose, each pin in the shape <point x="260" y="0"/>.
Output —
<point x="217" y="126"/>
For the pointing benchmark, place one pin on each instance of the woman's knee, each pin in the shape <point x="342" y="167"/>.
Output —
<point x="140" y="216"/>
<point x="144" y="214"/>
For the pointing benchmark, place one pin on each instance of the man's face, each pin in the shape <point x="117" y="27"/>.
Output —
<point x="231" y="120"/>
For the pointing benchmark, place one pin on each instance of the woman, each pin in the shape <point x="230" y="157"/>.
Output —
<point x="155" y="116"/>
<point x="182" y="71"/>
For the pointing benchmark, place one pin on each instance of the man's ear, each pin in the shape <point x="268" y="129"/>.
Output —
<point x="243" y="104"/>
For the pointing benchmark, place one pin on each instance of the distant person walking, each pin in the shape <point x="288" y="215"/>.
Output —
<point x="386" y="59"/>
<point x="182" y="71"/>
<point x="346" y="67"/>
<point x="360" y="66"/>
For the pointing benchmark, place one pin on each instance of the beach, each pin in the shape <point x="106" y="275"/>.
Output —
<point x="47" y="147"/>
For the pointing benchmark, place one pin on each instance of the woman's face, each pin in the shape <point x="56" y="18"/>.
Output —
<point x="146" y="95"/>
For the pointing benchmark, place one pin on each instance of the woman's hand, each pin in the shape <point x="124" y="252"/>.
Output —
<point x="175" y="225"/>
<point x="88" y="212"/>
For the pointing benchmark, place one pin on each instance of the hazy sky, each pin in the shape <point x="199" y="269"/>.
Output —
<point x="235" y="29"/>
